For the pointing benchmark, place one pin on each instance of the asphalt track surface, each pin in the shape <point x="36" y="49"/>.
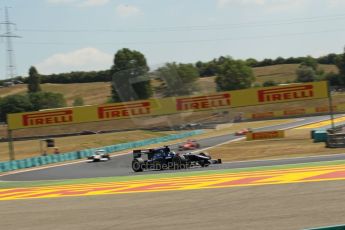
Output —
<point x="121" y="165"/>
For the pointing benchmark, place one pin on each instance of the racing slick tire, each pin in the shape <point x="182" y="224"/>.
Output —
<point x="137" y="165"/>
<point x="179" y="161"/>
<point x="204" y="163"/>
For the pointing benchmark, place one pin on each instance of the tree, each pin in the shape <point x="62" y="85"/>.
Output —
<point x="305" y="74"/>
<point x="310" y="62"/>
<point x="279" y="60"/>
<point x="130" y="76"/>
<point x="179" y="79"/>
<point x="14" y="104"/>
<point x="341" y="66"/>
<point x="269" y="83"/>
<point x="335" y="80"/>
<point x="78" y="101"/>
<point x="33" y="81"/>
<point x="292" y="60"/>
<point x="308" y="70"/>
<point x="252" y="62"/>
<point x="206" y="69"/>
<point x="234" y="74"/>
<point x="1" y="120"/>
<point x="265" y="62"/>
<point x="328" y="59"/>
<point x="46" y="100"/>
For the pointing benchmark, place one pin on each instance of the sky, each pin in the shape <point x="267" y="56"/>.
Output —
<point x="83" y="35"/>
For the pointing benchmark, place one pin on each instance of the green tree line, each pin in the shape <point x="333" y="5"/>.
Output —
<point x="210" y="68"/>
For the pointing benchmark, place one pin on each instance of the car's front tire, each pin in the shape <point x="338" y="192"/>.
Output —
<point x="204" y="163"/>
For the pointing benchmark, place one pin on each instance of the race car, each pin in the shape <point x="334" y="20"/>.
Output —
<point x="99" y="155"/>
<point x="163" y="158"/>
<point x="243" y="131"/>
<point x="189" y="145"/>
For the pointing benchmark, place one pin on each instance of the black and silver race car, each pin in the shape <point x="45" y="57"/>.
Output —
<point x="163" y="158"/>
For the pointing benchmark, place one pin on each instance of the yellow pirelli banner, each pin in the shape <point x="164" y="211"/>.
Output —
<point x="172" y="105"/>
<point x="279" y="94"/>
<point x="255" y="96"/>
<point x="83" y="114"/>
<point x="265" y="135"/>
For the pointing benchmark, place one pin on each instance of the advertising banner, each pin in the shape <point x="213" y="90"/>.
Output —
<point x="262" y="115"/>
<point x="265" y="135"/>
<point x="172" y="105"/>
<point x="325" y="109"/>
<point x="279" y="94"/>
<point x="198" y="103"/>
<point x="293" y="112"/>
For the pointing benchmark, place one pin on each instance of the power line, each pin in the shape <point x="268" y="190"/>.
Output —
<point x="159" y="42"/>
<point x="194" y="27"/>
<point x="8" y="35"/>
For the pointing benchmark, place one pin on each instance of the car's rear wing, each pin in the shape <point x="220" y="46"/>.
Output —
<point x="138" y="152"/>
<point x="150" y="152"/>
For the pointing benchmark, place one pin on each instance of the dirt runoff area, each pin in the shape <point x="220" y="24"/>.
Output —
<point x="297" y="143"/>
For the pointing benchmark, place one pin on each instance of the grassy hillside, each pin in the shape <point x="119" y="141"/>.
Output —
<point x="99" y="92"/>
<point x="284" y="73"/>
<point x="92" y="93"/>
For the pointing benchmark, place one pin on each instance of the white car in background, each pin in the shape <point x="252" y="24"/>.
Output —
<point x="98" y="156"/>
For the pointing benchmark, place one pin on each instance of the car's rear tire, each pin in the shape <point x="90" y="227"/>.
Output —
<point x="137" y="165"/>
